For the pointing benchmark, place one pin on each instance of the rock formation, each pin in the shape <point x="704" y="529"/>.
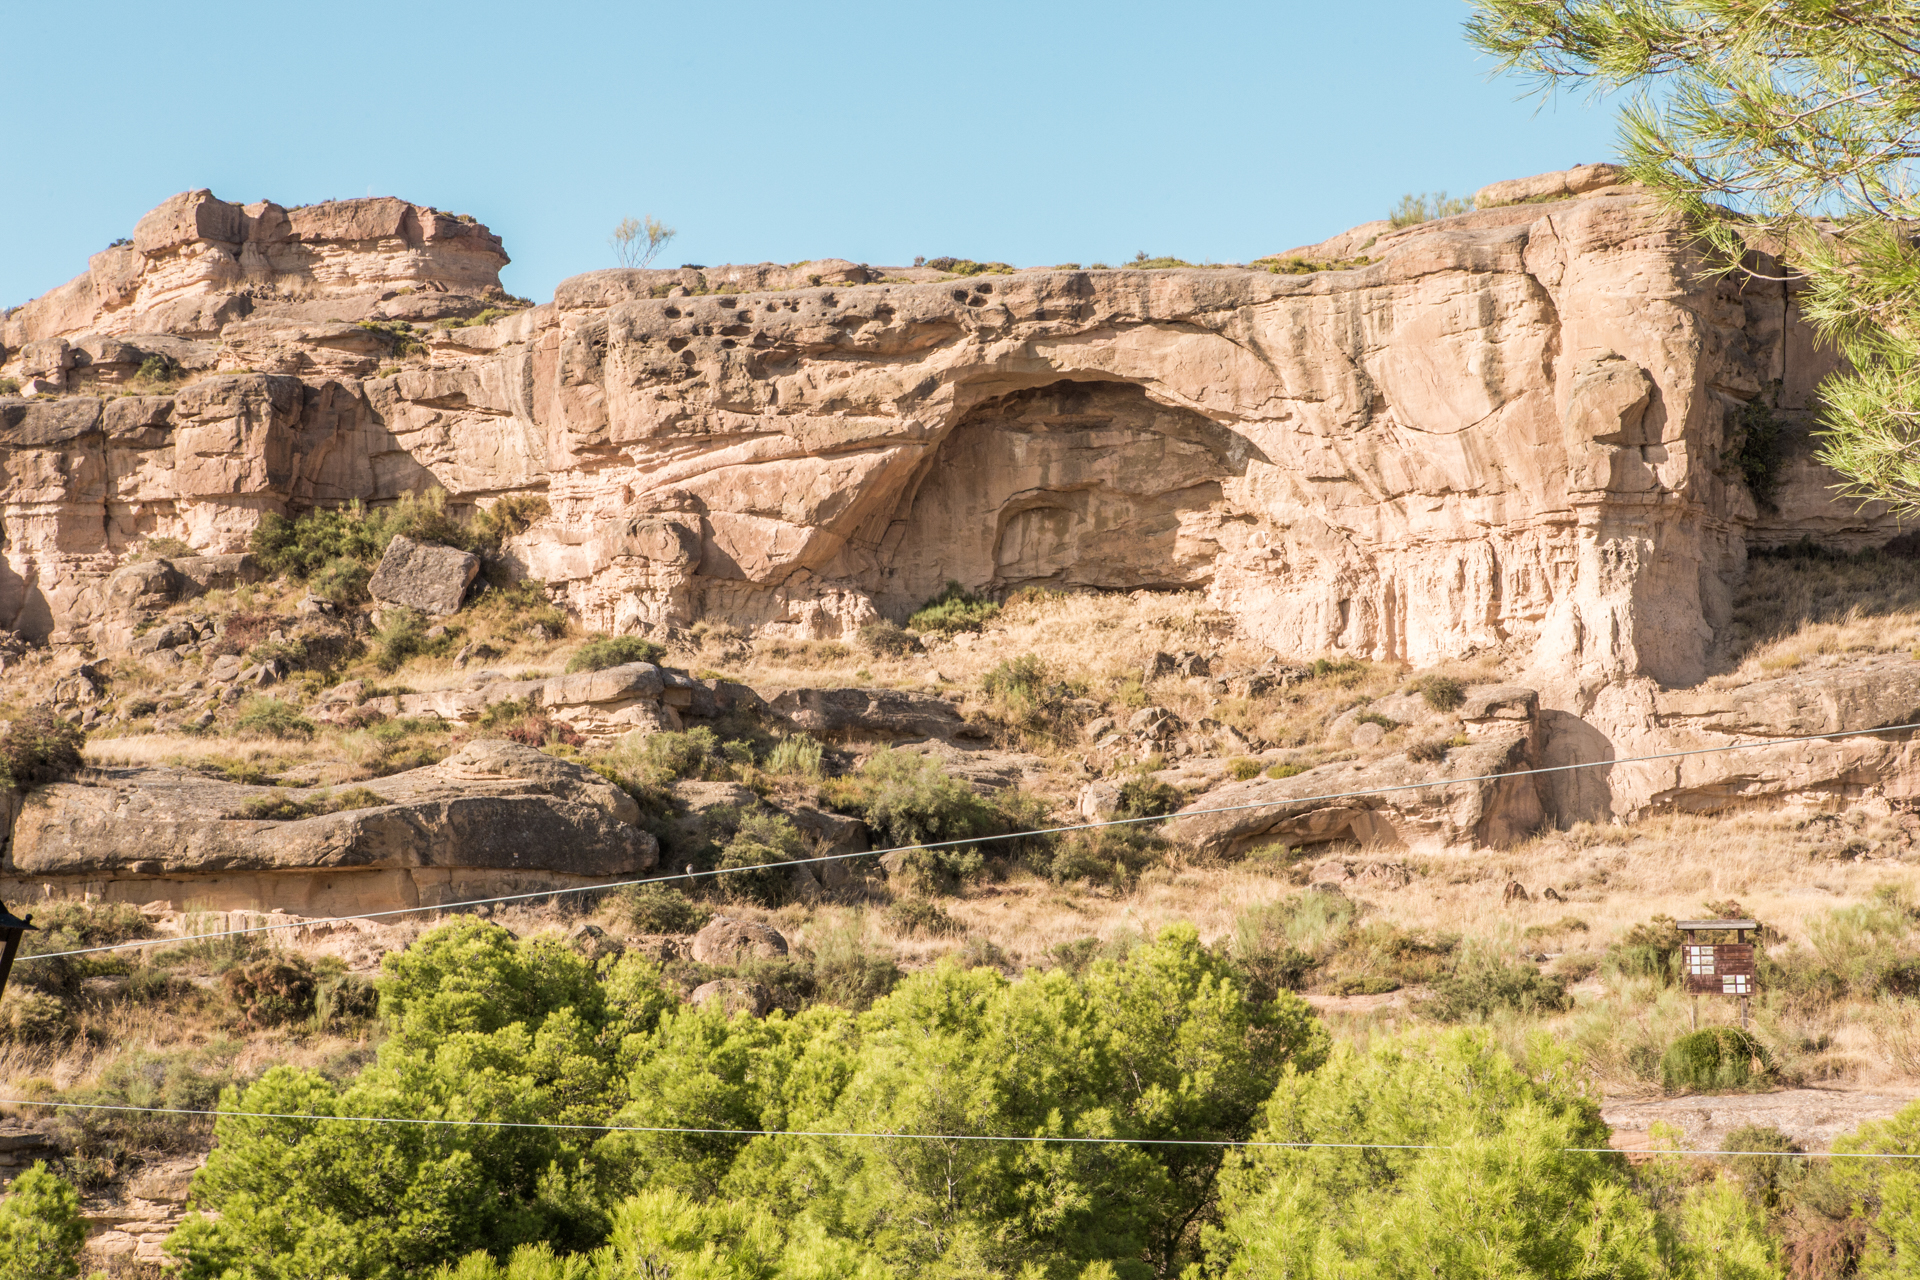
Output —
<point x="1504" y="431"/>
<point x="495" y="817"/>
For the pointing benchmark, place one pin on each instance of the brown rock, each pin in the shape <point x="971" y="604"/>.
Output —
<point x="421" y="576"/>
<point x="1515" y="892"/>
<point x="725" y="940"/>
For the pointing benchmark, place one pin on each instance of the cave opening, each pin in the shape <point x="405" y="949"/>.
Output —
<point x="1070" y="486"/>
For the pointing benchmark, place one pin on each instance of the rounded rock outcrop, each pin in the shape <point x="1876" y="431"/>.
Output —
<point x="729" y="941"/>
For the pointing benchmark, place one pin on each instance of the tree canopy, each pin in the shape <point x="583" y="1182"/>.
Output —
<point x="1790" y="126"/>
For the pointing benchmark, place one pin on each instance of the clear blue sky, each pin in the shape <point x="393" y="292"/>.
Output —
<point x="1030" y="132"/>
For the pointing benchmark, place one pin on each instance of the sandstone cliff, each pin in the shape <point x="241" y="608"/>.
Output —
<point x="1501" y="432"/>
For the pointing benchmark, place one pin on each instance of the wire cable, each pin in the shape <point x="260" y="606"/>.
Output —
<point x="970" y="841"/>
<point x="1054" y="1139"/>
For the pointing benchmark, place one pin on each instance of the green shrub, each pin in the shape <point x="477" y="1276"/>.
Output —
<point x="1430" y="751"/>
<point x="39" y="747"/>
<point x="301" y="545"/>
<point x="955" y="609"/>
<point x="41" y="1228"/>
<point x="848" y="973"/>
<point x="160" y="549"/>
<point x="1650" y="950"/>
<point x="797" y="756"/>
<point x="272" y="718"/>
<point x="1243" y="768"/>
<point x="887" y="639"/>
<point x="1426" y="206"/>
<point x="922" y="916"/>
<point x="402" y="636"/>
<point x="1286" y="771"/>
<point x="1143" y="796"/>
<point x="1026" y="697"/>
<point x="508" y="517"/>
<point x="288" y="809"/>
<point x="1442" y="693"/>
<point x="909" y="800"/>
<point x="1374" y="717"/>
<point x="1714" y="1058"/>
<point x="1482" y="985"/>
<point x="34" y="1017"/>
<point x="761" y="846"/>
<point x="655" y="908"/>
<point x="1114" y="856"/>
<point x="696" y="753"/>
<point x="272" y="990"/>
<point x="968" y="267"/>
<point x="601" y="652"/>
<point x="9" y="386"/>
<point x="341" y="580"/>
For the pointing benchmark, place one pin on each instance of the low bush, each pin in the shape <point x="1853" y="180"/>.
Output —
<point x="1430" y="751"/>
<point x="341" y="581"/>
<point x="796" y="756"/>
<point x="921" y="916"/>
<point x="601" y="652"/>
<point x="510" y="516"/>
<point x="9" y="386"/>
<point x="697" y="753"/>
<point x="1713" y="1059"/>
<point x="271" y="991"/>
<point x="272" y="718"/>
<point x="34" y="1017"/>
<point x="39" y="747"/>
<point x="655" y="908"/>
<point x="1481" y="985"/>
<point x="1244" y="768"/>
<point x="1286" y="771"/>
<point x="1144" y="796"/>
<point x="1113" y="856"/>
<point x="762" y="844"/>
<point x="1030" y="700"/>
<point x="1650" y="950"/>
<point x="887" y="639"/>
<point x="1442" y="693"/>
<point x="289" y="809"/>
<point x="1374" y="717"/>
<point x="848" y="973"/>
<point x="955" y="609"/>
<point x="909" y="800"/>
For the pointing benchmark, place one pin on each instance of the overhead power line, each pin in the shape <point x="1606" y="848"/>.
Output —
<point x="1047" y="1139"/>
<point x="974" y="840"/>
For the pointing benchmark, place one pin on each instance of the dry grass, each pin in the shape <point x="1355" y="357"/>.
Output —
<point x="1792" y="610"/>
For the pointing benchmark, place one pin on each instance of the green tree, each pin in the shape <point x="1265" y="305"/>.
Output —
<point x="485" y="1029"/>
<point x="1791" y="126"/>
<point x="41" y="1229"/>
<point x="1487" y="1167"/>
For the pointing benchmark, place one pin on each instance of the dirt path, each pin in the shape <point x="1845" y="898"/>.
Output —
<point x="1811" y="1117"/>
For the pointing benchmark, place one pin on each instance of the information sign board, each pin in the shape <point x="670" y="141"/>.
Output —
<point x="1719" y="968"/>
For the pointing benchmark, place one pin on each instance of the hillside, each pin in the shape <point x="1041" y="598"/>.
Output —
<point x="374" y="590"/>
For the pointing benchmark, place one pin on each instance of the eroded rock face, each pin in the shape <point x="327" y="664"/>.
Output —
<point x="493" y="813"/>
<point x="1506" y="429"/>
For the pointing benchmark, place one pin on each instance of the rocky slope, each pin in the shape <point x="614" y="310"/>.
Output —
<point x="1502" y="433"/>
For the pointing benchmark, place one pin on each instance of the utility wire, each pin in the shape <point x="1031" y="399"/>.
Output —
<point x="973" y="840"/>
<point x="1057" y="1139"/>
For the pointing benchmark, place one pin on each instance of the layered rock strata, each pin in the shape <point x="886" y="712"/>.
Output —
<point x="495" y="817"/>
<point x="1507" y="431"/>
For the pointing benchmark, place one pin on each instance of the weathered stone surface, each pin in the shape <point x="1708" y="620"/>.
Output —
<point x="725" y="940"/>
<point x="1401" y="814"/>
<point x="419" y="575"/>
<point x="1504" y="429"/>
<point x="883" y="714"/>
<point x="493" y="805"/>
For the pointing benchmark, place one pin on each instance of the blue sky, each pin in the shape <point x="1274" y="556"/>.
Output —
<point x="1032" y="132"/>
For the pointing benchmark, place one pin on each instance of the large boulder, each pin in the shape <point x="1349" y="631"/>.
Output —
<point x="728" y="941"/>
<point x="493" y="806"/>
<point x="1464" y="801"/>
<point x="890" y="715"/>
<point x="424" y="577"/>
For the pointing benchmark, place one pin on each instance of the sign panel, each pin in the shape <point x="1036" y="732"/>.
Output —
<point x="1719" y="968"/>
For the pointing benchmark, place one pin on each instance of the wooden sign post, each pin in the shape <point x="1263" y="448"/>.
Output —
<point x="1720" y="968"/>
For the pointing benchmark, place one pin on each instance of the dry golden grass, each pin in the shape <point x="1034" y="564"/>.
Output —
<point x="1792" y="610"/>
